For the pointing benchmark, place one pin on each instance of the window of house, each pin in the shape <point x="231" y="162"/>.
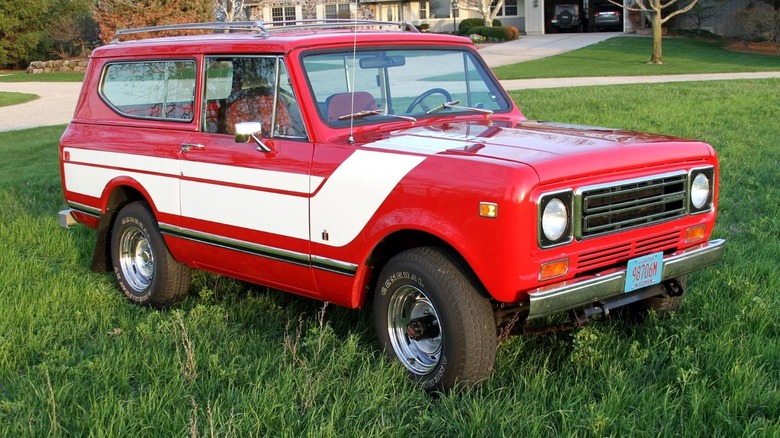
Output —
<point x="440" y="8"/>
<point x="151" y="89"/>
<point x="285" y="13"/>
<point x="508" y="9"/>
<point x="423" y="10"/>
<point x="340" y="10"/>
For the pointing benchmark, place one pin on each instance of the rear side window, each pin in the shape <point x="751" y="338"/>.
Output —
<point x="151" y="89"/>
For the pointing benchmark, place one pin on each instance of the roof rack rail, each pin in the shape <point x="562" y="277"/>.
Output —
<point x="335" y="23"/>
<point x="262" y="29"/>
<point x="235" y="26"/>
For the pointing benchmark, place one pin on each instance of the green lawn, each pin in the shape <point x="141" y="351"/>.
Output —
<point x="628" y="56"/>
<point x="241" y="360"/>
<point x="21" y="76"/>
<point x="9" y="98"/>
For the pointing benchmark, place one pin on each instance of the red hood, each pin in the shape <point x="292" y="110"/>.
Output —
<point x="555" y="151"/>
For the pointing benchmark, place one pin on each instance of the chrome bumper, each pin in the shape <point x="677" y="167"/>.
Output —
<point x="580" y="292"/>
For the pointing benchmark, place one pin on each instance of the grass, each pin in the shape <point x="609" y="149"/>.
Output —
<point x="241" y="360"/>
<point x="22" y="76"/>
<point x="628" y="56"/>
<point x="9" y="98"/>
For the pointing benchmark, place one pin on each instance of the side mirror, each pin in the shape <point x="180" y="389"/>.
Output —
<point x="245" y="131"/>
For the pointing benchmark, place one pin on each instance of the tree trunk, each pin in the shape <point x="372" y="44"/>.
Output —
<point x="656" y="58"/>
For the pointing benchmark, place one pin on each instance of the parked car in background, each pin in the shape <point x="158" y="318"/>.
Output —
<point x="567" y="17"/>
<point x="330" y="160"/>
<point x="608" y="17"/>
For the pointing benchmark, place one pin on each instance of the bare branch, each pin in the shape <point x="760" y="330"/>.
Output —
<point x="679" y="11"/>
<point x="629" y="8"/>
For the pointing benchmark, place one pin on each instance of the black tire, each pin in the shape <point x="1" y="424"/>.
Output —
<point x="430" y="316"/>
<point x="145" y="270"/>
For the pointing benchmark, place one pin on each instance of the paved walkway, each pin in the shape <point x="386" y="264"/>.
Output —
<point x="57" y="100"/>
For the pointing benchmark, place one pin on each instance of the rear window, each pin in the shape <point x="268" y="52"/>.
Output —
<point x="151" y="89"/>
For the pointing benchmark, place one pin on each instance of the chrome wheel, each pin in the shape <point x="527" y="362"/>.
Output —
<point x="414" y="331"/>
<point x="136" y="259"/>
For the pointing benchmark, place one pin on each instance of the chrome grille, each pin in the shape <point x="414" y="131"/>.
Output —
<point x="629" y="204"/>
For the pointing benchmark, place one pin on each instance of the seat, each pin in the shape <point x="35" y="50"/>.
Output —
<point x="256" y="105"/>
<point x="342" y="104"/>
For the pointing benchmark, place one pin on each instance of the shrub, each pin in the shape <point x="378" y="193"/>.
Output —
<point x="493" y="34"/>
<point x="465" y="25"/>
<point x="423" y="27"/>
<point x="756" y="24"/>
<point x="513" y="32"/>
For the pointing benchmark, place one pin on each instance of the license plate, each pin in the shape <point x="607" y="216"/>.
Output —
<point x="644" y="271"/>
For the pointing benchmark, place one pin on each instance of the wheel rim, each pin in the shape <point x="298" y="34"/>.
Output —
<point x="136" y="259"/>
<point x="415" y="333"/>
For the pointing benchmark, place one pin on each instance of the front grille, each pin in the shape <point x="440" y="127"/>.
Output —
<point x="620" y="253"/>
<point x="629" y="204"/>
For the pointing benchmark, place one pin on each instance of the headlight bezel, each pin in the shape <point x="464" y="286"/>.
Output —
<point x="707" y="205"/>
<point x="565" y="197"/>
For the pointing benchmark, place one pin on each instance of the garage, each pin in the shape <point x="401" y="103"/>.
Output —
<point x="582" y="16"/>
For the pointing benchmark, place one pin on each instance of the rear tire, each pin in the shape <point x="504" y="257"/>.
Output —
<point x="430" y="317"/>
<point x="145" y="270"/>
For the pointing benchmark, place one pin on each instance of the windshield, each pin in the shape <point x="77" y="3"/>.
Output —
<point x="371" y="86"/>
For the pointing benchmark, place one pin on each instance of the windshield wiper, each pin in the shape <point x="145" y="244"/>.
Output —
<point x="377" y="112"/>
<point x="454" y="105"/>
<point x="360" y="115"/>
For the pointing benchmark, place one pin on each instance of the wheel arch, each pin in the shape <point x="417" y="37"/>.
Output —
<point x="115" y="197"/>
<point x="403" y="240"/>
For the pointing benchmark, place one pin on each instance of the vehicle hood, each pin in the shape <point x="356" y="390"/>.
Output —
<point x="556" y="151"/>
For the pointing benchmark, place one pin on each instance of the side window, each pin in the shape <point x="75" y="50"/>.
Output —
<point x="151" y="89"/>
<point x="250" y="89"/>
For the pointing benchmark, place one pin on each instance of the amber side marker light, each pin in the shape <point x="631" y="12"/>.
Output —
<point x="695" y="234"/>
<point x="488" y="209"/>
<point x="555" y="269"/>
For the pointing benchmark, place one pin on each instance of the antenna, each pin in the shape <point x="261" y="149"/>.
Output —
<point x="351" y="139"/>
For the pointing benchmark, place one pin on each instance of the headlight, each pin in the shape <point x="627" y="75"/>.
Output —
<point x="555" y="219"/>
<point x="700" y="191"/>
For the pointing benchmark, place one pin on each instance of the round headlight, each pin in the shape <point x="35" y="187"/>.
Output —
<point x="700" y="191"/>
<point x="554" y="219"/>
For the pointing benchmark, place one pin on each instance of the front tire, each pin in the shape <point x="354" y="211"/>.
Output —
<point x="430" y="317"/>
<point x="145" y="270"/>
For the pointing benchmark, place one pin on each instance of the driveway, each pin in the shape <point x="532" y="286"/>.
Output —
<point x="54" y="106"/>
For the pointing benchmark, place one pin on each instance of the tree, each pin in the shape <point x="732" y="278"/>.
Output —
<point x="485" y="8"/>
<point x="700" y="13"/>
<point x="654" y="8"/>
<point x="124" y="14"/>
<point x="72" y="28"/>
<point x="22" y="29"/>
<point x="230" y="10"/>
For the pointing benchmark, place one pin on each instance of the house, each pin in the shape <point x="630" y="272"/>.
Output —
<point x="530" y="17"/>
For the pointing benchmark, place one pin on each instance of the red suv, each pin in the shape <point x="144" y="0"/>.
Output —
<point x="356" y="162"/>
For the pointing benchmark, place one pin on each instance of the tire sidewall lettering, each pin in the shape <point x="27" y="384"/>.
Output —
<point x="405" y="276"/>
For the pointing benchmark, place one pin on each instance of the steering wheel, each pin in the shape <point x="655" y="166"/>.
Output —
<point x="419" y="100"/>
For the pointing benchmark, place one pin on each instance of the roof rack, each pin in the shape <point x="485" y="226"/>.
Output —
<point x="262" y="28"/>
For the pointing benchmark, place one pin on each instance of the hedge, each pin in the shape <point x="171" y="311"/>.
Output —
<point x="468" y="23"/>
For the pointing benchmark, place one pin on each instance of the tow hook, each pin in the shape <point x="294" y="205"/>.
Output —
<point x="673" y="288"/>
<point x="424" y="327"/>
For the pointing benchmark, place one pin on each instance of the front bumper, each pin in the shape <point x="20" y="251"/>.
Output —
<point x="581" y="292"/>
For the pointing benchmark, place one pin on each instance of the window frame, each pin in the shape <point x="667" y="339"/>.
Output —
<point x="120" y="112"/>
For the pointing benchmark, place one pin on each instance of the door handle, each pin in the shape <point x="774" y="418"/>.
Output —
<point x="186" y="147"/>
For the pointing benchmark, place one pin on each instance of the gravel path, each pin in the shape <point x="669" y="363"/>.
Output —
<point x="55" y="106"/>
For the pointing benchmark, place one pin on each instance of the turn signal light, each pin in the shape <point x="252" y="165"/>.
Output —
<point x="488" y="209"/>
<point x="694" y="234"/>
<point x="555" y="269"/>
